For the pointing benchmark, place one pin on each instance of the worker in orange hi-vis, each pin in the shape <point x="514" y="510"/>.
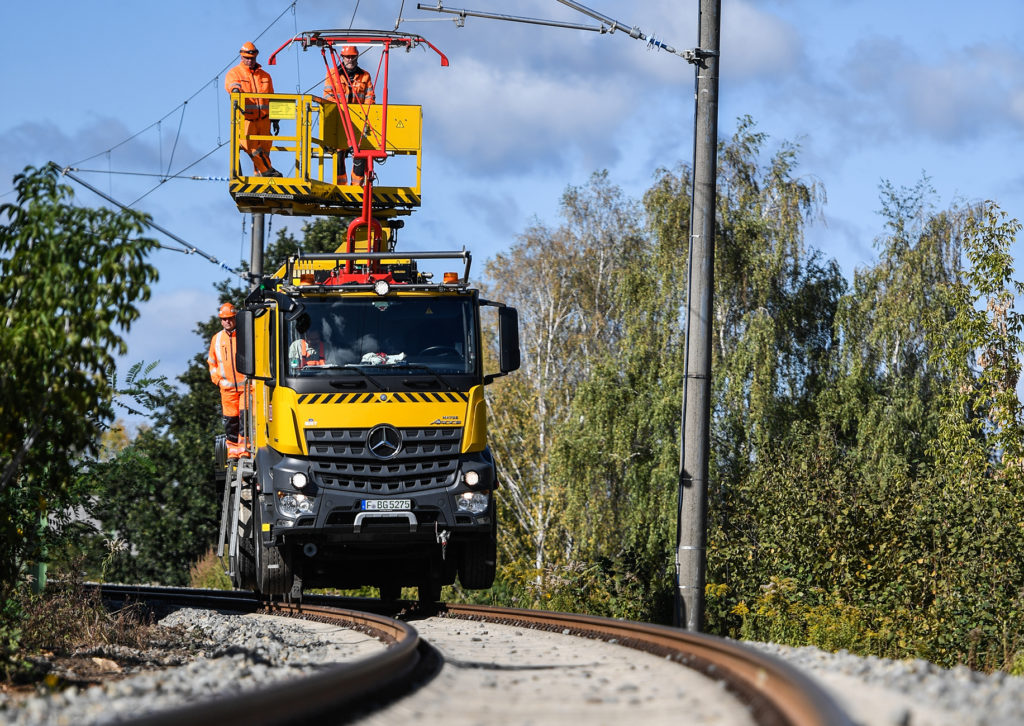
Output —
<point x="231" y="383"/>
<point x="249" y="77"/>
<point x="354" y="85"/>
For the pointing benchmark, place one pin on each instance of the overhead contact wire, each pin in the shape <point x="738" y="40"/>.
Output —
<point x="188" y="248"/>
<point x="214" y="80"/>
<point x="174" y="176"/>
<point x="181" y="120"/>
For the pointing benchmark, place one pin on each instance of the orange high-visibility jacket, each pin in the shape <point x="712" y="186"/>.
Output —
<point x="242" y="80"/>
<point x="222" y="362"/>
<point x="302" y="354"/>
<point x="311" y="356"/>
<point x="360" y="90"/>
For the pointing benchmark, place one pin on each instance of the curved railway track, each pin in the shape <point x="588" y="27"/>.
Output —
<point x="302" y="699"/>
<point x="775" y="693"/>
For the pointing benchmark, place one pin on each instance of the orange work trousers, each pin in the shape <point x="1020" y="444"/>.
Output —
<point x="257" y="149"/>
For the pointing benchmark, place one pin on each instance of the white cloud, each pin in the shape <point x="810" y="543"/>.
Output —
<point x="758" y="46"/>
<point x="506" y="121"/>
<point x="961" y="94"/>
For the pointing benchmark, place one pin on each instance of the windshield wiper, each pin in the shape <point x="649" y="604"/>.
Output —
<point x="431" y="371"/>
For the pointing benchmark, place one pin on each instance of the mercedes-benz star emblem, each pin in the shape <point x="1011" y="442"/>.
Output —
<point x="384" y="442"/>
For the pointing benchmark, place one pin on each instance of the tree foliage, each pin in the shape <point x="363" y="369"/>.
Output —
<point x="564" y="285"/>
<point x="866" y="436"/>
<point x="159" y="497"/>
<point x="70" y="278"/>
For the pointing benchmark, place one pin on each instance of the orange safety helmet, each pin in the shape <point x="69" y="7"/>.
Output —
<point x="349" y="50"/>
<point x="227" y="310"/>
<point x="248" y="50"/>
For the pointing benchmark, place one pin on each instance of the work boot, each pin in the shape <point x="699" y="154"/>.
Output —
<point x="343" y="179"/>
<point x="271" y="172"/>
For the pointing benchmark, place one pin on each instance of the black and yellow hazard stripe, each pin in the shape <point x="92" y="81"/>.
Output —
<point x="403" y="397"/>
<point x="395" y="195"/>
<point x="274" y="191"/>
<point x="270" y="185"/>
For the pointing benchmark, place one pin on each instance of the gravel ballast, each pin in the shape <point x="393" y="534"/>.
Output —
<point x="498" y="674"/>
<point x="233" y="653"/>
<point x="883" y="692"/>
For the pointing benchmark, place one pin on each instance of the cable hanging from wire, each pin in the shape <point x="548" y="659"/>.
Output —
<point x="187" y="248"/>
<point x="175" y="176"/>
<point x="180" y="107"/>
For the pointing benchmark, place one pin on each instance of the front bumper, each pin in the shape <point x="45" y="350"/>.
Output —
<point x="338" y="515"/>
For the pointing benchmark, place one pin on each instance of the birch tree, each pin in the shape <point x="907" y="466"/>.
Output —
<point x="562" y="281"/>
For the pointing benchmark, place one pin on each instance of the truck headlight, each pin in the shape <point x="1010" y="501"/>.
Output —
<point x="299" y="480"/>
<point x="472" y="502"/>
<point x="292" y="505"/>
<point x="472" y="478"/>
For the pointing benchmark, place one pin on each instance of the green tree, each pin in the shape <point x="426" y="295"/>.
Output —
<point x="563" y="282"/>
<point x="977" y="482"/>
<point x="160" y="495"/>
<point x="617" y="456"/>
<point x="70" y="278"/>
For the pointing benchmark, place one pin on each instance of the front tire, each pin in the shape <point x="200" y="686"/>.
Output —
<point x="429" y="592"/>
<point x="478" y="563"/>
<point x="274" y="572"/>
<point x="390" y="592"/>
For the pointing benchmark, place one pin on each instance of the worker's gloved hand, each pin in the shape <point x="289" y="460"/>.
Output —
<point x="275" y="125"/>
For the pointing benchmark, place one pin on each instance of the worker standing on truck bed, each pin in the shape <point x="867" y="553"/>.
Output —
<point x="354" y="85"/>
<point x="249" y="77"/>
<point x="230" y="382"/>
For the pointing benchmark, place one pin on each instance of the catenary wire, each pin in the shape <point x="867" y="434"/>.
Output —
<point x="214" y="80"/>
<point x="188" y="247"/>
<point x="164" y="179"/>
<point x="192" y="177"/>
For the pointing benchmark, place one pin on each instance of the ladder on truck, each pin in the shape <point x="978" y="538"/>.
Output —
<point x="317" y="135"/>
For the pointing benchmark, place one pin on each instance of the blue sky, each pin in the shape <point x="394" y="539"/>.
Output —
<point x="870" y="89"/>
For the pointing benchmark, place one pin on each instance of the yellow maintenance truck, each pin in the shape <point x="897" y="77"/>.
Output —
<point x="367" y="421"/>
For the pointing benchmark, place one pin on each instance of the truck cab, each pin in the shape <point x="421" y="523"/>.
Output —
<point x="366" y="424"/>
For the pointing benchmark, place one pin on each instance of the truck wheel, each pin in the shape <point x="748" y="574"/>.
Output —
<point x="478" y="563"/>
<point x="390" y="592"/>
<point x="244" y="564"/>
<point x="220" y="451"/>
<point x="274" y="574"/>
<point x="430" y="592"/>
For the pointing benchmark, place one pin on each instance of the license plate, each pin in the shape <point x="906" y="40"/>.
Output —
<point x="386" y="505"/>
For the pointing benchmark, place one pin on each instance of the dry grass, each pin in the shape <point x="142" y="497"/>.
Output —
<point x="67" y="617"/>
<point x="209" y="572"/>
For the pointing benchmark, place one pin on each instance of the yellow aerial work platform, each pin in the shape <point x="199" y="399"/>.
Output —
<point x="310" y="151"/>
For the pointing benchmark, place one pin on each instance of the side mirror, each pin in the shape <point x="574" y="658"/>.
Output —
<point x="245" y="337"/>
<point x="252" y="360"/>
<point x="508" y="339"/>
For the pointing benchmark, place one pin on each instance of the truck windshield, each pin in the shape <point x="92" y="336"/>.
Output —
<point x="390" y="335"/>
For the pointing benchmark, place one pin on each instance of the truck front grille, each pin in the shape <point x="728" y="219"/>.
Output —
<point x="428" y="459"/>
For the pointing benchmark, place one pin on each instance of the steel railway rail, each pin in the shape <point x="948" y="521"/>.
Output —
<point x="776" y="693"/>
<point x="297" y="700"/>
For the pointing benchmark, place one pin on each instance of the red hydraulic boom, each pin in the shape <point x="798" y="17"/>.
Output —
<point x="329" y="42"/>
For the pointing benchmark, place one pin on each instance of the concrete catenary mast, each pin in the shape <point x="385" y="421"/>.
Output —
<point x="691" y="552"/>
